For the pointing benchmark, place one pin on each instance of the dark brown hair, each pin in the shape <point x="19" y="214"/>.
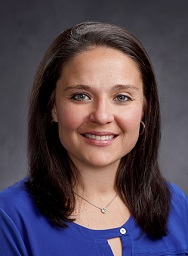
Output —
<point x="52" y="174"/>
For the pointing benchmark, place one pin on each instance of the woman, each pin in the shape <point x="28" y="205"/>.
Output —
<point x="94" y="186"/>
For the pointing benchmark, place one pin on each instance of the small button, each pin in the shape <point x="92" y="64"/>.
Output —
<point x="123" y="231"/>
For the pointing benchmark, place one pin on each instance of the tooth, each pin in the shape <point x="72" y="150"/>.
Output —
<point x="103" y="137"/>
<point x="97" y="137"/>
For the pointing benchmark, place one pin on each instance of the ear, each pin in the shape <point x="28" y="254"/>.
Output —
<point x="143" y="113"/>
<point x="54" y="114"/>
<point x="144" y="108"/>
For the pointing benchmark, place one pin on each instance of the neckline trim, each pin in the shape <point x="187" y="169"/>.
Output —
<point x="85" y="232"/>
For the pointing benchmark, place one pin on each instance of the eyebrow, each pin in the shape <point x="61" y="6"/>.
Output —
<point x="124" y="86"/>
<point x="87" y="87"/>
<point x="78" y="86"/>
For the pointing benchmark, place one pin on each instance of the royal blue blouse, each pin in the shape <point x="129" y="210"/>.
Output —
<point x="24" y="231"/>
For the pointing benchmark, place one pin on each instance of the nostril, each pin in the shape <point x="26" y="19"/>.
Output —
<point x="101" y="117"/>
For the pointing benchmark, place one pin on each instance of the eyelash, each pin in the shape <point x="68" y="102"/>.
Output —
<point x="79" y="97"/>
<point x="85" y="97"/>
<point x="126" y="98"/>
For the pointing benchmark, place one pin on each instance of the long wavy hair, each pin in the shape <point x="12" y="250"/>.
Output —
<point x="52" y="174"/>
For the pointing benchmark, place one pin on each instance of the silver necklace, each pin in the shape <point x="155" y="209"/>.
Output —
<point x="103" y="209"/>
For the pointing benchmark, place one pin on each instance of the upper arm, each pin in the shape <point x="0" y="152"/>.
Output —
<point x="186" y="213"/>
<point x="11" y="242"/>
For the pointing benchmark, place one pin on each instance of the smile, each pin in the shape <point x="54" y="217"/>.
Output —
<point x="97" y="137"/>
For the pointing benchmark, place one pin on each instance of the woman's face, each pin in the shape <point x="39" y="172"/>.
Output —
<point x="98" y="105"/>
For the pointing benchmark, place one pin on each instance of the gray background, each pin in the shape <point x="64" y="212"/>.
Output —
<point x="28" y="27"/>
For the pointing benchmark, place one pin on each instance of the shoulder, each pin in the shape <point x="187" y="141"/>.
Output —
<point x="179" y="198"/>
<point x="18" y="210"/>
<point x="16" y="200"/>
<point x="178" y="217"/>
<point x="13" y="194"/>
<point x="179" y="201"/>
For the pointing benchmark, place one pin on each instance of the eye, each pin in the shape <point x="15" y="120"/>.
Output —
<point x="122" y="98"/>
<point x="80" y="97"/>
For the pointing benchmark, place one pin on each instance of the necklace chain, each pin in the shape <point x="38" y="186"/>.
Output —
<point x="103" y="209"/>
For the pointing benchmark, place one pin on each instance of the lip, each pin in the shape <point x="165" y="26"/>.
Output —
<point x="100" y="133"/>
<point x="106" y="138"/>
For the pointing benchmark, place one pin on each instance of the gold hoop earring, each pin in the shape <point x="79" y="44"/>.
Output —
<point x="53" y="121"/>
<point x="143" y="128"/>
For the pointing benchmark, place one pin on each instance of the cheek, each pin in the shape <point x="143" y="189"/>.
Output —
<point x="130" y="120"/>
<point x="69" y="119"/>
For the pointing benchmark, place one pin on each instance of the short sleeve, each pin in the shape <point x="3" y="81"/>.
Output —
<point x="11" y="242"/>
<point x="186" y="212"/>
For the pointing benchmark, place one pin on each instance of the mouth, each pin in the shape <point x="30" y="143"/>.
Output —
<point x="99" y="138"/>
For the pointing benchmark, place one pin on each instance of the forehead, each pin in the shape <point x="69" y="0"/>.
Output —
<point x="101" y="62"/>
<point x="97" y="52"/>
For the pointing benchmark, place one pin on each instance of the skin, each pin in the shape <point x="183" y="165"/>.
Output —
<point x="99" y="93"/>
<point x="98" y="105"/>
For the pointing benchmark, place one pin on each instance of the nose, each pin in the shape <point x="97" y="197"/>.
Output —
<point x="101" y="113"/>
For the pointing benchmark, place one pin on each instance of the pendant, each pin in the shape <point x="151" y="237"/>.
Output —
<point x="103" y="210"/>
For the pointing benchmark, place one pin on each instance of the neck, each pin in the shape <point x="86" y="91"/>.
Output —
<point x="97" y="181"/>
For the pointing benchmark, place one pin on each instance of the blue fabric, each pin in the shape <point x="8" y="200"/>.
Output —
<point x="25" y="232"/>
